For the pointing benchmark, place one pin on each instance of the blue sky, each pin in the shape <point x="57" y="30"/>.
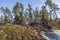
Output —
<point x="11" y="3"/>
<point x="34" y="3"/>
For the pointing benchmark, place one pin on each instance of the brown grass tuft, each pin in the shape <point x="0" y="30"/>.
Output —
<point x="18" y="32"/>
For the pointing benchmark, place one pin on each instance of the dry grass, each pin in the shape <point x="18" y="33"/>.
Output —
<point x="17" y="32"/>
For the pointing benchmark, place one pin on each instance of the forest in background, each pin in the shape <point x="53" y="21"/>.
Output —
<point x="46" y="15"/>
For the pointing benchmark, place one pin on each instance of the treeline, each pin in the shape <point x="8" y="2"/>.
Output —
<point x="47" y="13"/>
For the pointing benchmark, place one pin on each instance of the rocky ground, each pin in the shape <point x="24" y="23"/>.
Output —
<point x="55" y="35"/>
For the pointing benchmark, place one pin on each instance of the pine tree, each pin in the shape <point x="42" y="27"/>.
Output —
<point x="55" y="9"/>
<point x="50" y="5"/>
<point x="36" y="14"/>
<point x="44" y="15"/>
<point x="18" y="10"/>
<point x="29" y="9"/>
<point x="21" y="13"/>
